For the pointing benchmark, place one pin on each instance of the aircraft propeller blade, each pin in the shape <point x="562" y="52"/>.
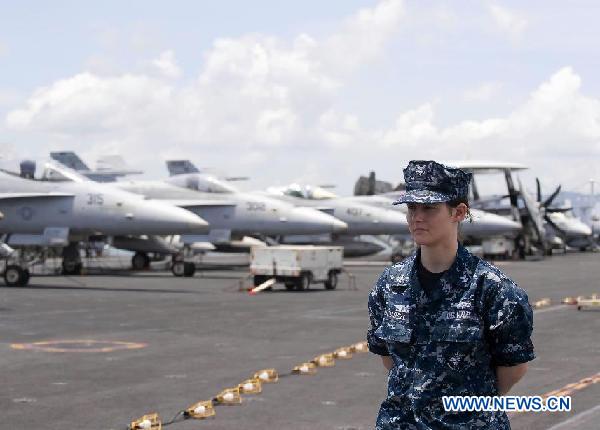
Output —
<point x="552" y="197"/>
<point x="553" y="224"/>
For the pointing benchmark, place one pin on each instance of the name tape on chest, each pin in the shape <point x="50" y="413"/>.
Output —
<point x="398" y="312"/>
<point x="456" y="315"/>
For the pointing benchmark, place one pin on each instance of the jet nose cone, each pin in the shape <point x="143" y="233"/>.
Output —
<point x="198" y="225"/>
<point x="488" y="224"/>
<point x="381" y="221"/>
<point x="188" y="222"/>
<point x="175" y="220"/>
<point x="339" y="226"/>
<point x="313" y="221"/>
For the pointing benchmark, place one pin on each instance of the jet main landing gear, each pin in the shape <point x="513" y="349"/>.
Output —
<point x="183" y="268"/>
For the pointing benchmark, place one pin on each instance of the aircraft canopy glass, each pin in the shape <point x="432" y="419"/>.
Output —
<point x="208" y="184"/>
<point x="308" y="192"/>
<point x="58" y="173"/>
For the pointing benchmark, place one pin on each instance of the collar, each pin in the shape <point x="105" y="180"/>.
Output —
<point x="459" y="273"/>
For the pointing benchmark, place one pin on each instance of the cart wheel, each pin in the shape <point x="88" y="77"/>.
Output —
<point x="140" y="261"/>
<point x="579" y="307"/>
<point x="189" y="269"/>
<point x="13" y="275"/>
<point x="303" y="282"/>
<point x="178" y="268"/>
<point x="71" y="267"/>
<point x="331" y="281"/>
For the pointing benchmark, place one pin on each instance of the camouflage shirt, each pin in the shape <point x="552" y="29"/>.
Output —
<point x="448" y="343"/>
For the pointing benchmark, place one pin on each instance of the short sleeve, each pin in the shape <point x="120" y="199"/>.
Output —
<point x="376" y="310"/>
<point x="509" y="324"/>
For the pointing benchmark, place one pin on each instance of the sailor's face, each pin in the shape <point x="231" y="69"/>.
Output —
<point x="429" y="222"/>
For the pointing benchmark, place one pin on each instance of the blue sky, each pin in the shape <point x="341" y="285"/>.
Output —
<point x="305" y="91"/>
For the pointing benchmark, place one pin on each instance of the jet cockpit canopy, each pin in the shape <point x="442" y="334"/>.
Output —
<point x="202" y="182"/>
<point x="57" y="172"/>
<point x="308" y="192"/>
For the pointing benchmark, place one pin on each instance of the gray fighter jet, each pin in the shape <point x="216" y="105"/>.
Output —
<point x="360" y="219"/>
<point x="42" y="213"/>
<point x="232" y="214"/>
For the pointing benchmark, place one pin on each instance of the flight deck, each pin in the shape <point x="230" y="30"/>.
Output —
<point x="97" y="352"/>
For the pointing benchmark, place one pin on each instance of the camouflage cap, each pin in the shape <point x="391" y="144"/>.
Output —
<point x="431" y="182"/>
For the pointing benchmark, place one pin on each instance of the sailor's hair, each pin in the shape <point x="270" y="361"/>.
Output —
<point x="455" y="202"/>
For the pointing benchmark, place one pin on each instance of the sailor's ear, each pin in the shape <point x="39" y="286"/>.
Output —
<point x="460" y="212"/>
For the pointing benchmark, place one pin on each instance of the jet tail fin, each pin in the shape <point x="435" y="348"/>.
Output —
<point x="180" y="167"/>
<point x="70" y="159"/>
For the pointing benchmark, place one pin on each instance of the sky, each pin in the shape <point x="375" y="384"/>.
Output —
<point x="311" y="92"/>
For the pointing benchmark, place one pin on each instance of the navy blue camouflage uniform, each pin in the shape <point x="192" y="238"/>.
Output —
<point x="447" y="342"/>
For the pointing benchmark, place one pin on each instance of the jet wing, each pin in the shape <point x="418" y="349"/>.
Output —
<point x="186" y="204"/>
<point x="16" y="196"/>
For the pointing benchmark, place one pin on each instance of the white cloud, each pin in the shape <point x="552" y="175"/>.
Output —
<point x="556" y="120"/>
<point x="412" y="128"/>
<point x="483" y="92"/>
<point x="251" y="91"/>
<point x="340" y="130"/>
<point x="364" y="35"/>
<point x="167" y="65"/>
<point x="89" y="106"/>
<point x="508" y="21"/>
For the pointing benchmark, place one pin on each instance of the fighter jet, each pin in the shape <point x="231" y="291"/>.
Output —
<point x="62" y="213"/>
<point x="361" y="219"/>
<point x="233" y="215"/>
